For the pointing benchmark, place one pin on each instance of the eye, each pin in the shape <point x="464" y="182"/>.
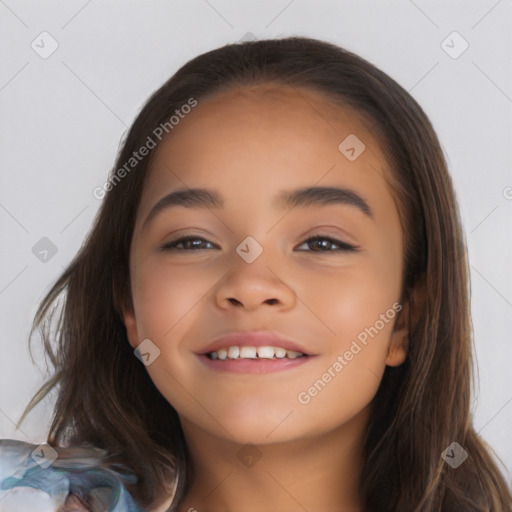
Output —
<point x="319" y="243"/>
<point x="324" y="242"/>
<point x="186" y="241"/>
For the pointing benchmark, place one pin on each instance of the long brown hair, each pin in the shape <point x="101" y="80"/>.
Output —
<point x="106" y="397"/>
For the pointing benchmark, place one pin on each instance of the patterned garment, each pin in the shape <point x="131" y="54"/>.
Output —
<point x="37" y="478"/>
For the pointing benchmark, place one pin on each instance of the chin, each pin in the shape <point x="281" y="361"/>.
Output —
<point x="259" y="424"/>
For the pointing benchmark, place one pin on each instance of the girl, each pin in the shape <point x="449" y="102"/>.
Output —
<point x="271" y="310"/>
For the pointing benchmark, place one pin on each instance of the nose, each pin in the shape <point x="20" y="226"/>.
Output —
<point x="253" y="285"/>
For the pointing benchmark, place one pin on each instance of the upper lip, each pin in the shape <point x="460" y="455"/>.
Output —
<point x="253" y="339"/>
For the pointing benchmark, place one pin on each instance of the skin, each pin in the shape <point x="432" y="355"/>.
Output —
<point x="248" y="144"/>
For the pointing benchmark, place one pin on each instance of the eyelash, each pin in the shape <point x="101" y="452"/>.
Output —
<point x="344" y="247"/>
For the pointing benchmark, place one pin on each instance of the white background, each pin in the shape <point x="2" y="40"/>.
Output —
<point x="62" y="118"/>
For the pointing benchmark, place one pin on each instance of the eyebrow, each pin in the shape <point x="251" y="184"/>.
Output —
<point x="302" y="197"/>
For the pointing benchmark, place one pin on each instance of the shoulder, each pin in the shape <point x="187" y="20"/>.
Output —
<point x="60" y="479"/>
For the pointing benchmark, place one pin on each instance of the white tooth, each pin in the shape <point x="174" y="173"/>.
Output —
<point x="214" y="355"/>
<point x="291" y="354"/>
<point x="266" y="352"/>
<point x="248" y="352"/>
<point x="222" y="353"/>
<point x="280" y="352"/>
<point x="233" y="352"/>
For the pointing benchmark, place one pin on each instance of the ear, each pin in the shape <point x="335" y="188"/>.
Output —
<point x="130" y="322"/>
<point x="123" y="304"/>
<point x="405" y="321"/>
<point x="399" y="343"/>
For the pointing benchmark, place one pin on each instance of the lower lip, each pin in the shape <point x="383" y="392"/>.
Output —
<point x="256" y="366"/>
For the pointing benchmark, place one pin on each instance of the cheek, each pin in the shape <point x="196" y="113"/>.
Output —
<point x="356" y="310"/>
<point x="345" y="302"/>
<point x="166" y="300"/>
<point x="163" y="296"/>
<point x="358" y="316"/>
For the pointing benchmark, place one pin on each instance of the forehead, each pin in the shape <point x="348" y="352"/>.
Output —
<point x="252" y="142"/>
<point x="269" y="118"/>
<point x="293" y="113"/>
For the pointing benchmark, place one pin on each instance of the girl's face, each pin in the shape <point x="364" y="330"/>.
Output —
<point x="251" y="265"/>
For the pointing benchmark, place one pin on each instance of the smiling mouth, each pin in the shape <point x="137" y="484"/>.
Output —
<point x="254" y="353"/>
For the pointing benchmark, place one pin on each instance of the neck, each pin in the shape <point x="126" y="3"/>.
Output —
<point x="312" y="473"/>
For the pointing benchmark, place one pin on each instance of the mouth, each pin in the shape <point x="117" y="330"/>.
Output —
<point x="254" y="352"/>
<point x="268" y="352"/>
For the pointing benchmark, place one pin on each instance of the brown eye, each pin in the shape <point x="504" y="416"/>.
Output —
<point x="321" y="243"/>
<point x="189" y="243"/>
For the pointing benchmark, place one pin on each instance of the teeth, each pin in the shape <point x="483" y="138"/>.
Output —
<point x="248" y="353"/>
<point x="265" y="352"/>
<point x="280" y="352"/>
<point x="234" y="352"/>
